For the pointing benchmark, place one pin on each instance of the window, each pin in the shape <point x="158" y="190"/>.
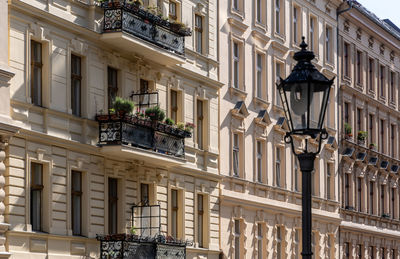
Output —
<point x="200" y="220"/>
<point x="76" y="85"/>
<point x="371" y="252"/>
<point x="371" y="198"/>
<point x="346" y="59"/>
<point x="258" y="11"/>
<point x="36" y="196"/>
<point x="347" y="250"/>
<point x="112" y="206"/>
<point x="278" y="75"/>
<point x="371" y="128"/>
<point x="359" y="193"/>
<point x="313" y="242"/>
<point x="259" y="76"/>
<point x="174" y="105"/>
<point x="259" y="147"/>
<point x="393" y="254"/>
<point x="237" y="239"/>
<point x="76" y="202"/>
<point x="144" y="86"/>
<point x="330" y="245"/>
<point x="297" y="174"/>
<point x="296" y="24"/>
<point x="173" y="11"/>
<point x="278" y="16"/>
<point x="328" y="43"/>
<point x="297" y="251"/>
<point x="313" y="38"/>
<point x="346" y="190"/>
<point x="279" y="247"/>
<point x="174" y="213"/>
<point x="236" y="65"/>
<point x="359" y="118"/>
<point x="199" y="33"/>
<point x="235" y="5"/>
<point x="392" y="141"/>
<point x="144" y="194"/>
<point x="359" y="251"/>
<point x="382" y="199"/>
<point x="383" y="253"/>
<point x="382" y="136"/>
<point x="260" y="240"/>
<point x="346" y="112"/>
<point x="200" y="124"/>
<point x="392" y="202"/>
<point x="235" y="155"/>
<point x="328" y="181"/>
<point x="112" y="86"/>
<point x="358" y="67"/>
<point x="36" y="73"/>
<point x="278" y="166"/>
<point x="382" y="80"/>
<point x="392" y="93"/>
<point x="371" y="74"/>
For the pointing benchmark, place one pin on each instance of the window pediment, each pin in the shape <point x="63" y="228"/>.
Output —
<point x="281" y="125"/>
<point x="240" y="110"/>
<point x="262" y="118"/>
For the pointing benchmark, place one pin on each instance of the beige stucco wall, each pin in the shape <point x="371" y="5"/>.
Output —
<point x="52" y="136"/>
<point x="361" y="230"/>
<point x="244" y="198"/>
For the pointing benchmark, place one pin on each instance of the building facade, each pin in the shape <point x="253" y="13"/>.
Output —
<point x="261" y="180"/>
<point x="70" y="171"/>
<point x="369" y="110"/>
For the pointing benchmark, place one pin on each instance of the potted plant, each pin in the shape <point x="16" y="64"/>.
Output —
<point x="189" y="127"/>
<point x="372" y="146"/>
<point x="180" y="125"/>
<point x="169" y="121"/>
<point x="155" y="113"/>
<point x="361" y="136"/>
<point x="123" y="106"/>
<point x="347" y="131"/>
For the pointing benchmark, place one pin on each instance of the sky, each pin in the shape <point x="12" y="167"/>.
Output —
<point x="384" y="9"/>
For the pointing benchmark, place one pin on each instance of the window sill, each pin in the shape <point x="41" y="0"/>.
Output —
<point x="238" y="92"/>
<point x="261" y="102"/>
<point x="261" y="27"/>
<point x="371" y="93"/>
<point x="382" y="99"/>
<point x="359" y="86"/>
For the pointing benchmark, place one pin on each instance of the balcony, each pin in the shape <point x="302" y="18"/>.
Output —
<point x="132" y="28"/>
<point x="148" y="140"/>
<point x="145" y="240"/>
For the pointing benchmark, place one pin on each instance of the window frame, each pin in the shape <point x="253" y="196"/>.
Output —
<point x="200" y="120"/>
<point x="76" y="106"/>
<point x="113" y="200"/>
<point x="236" y="154"/>
<point x="328" y="44"/>
<point x="76" y="193"/>
<point x="112" y="89"/>
<point x="36" y="64"/>
<point x="36" y="187"/>
<point x="199" y="35"/>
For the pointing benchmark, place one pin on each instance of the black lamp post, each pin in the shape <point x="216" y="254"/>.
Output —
<point x="304" y="94"/>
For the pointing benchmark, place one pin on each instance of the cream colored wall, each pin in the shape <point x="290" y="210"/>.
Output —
<point x="357" y="29"/>
<point x="61" y="141"/>
<point x="244" y="193"/>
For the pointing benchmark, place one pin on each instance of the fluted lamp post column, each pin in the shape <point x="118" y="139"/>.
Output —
<point x="305" y="94"/>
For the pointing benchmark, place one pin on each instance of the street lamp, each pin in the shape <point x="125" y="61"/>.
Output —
<point x="304" y="94"/>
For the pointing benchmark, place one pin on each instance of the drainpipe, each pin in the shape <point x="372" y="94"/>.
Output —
<point x="339" y="12"/>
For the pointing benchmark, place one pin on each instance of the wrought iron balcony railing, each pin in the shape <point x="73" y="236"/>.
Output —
<point x="142" y="133"/>
<point x="135" y="20"/>
<point x="123" y="246"/>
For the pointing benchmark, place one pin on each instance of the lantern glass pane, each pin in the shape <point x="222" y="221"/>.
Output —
<point x="297" y="99"/>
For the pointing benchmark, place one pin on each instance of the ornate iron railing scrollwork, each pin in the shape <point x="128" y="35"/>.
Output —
<point x="142" y="133"/>
<point x="140" y="23"/>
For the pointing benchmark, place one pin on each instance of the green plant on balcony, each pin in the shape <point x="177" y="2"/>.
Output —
<point x="169" y="121"/>
<point x="362" y="135"/>
<point x="189" y="127"/>
<point x="123" y="106"/>
<point x="155" y="113"/>
<point x="347" y="131"/>
<point x="372" y="146"/>
<point x="180" y="125"/>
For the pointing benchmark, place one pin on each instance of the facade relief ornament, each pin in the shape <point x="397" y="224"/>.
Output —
<point x="348" y="167"/>
<point x="371" y="42"/>
<point x="346" y="25"/>
<point x="361" y="171"/>
<point x="382" y="49"/>
<point x="358" y="33"/>
<point x="372" y="175"/>
<point x="392" y="55"/>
